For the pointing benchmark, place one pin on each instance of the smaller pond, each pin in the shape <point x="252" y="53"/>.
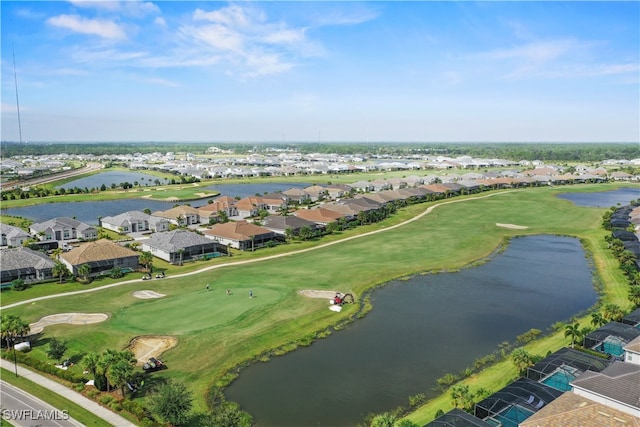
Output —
<point x="114" y="177"/>
<point x="603" y="199"/>
<point x="246" y="190"/>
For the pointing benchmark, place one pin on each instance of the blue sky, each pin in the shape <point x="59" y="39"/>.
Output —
<point x="321" y="71"/>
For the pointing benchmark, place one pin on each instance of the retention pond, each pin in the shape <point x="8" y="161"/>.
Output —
<point x="419" y="330"/>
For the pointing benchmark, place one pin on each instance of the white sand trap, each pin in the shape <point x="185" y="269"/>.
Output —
<point x="512" y="226"/>
<point x="71" y="318"/>
<point x="147" y="294"/>
<point x="317" y="294"/>
<point x="144" y="347"/>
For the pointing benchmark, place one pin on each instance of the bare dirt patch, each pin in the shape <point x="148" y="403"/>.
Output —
<point x="309" y="293"/>
<point x="71" y="318"/>
<point x="147" y="294"/>
<point x="512" y="226"/>
<point x="146" y="346"/>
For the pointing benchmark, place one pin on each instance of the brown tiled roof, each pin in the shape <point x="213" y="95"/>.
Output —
<point x="99" y="250"/>
<point x="319" y="215"/>
<point x="634" y="345"/>
<point x="237" y="230"/>
<point x="216" y="206"/>
<point x="572" y="410"/>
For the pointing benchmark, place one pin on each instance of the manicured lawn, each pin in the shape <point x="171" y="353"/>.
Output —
<point x="215" y="332"/>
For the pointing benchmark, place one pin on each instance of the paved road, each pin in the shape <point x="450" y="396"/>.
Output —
<point x="51" y="178"/>
<point x="91" y="406"/>
<point x="23" y="409"/>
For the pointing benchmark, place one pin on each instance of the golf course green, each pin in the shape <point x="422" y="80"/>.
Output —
<point x="217" y="332"/>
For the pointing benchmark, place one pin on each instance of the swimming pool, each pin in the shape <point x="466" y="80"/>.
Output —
<point x="510" y="417"/>
<point x="560" y="380"/>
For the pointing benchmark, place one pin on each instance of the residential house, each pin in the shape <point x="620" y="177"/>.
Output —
<point x="362" y="186"/>
<point x="316" y="192"/>
<point x="180" y="215"/>
<point x="611" y="338"/>
<point x="135" y="222"/>
<point x="13" y="236"/>
<point x="241" y="235"/>
<point x="102" y="256"/>
<point x="211" y="212"/>
<point x="617" y="387"/>
<point x="26" y="264"/>
<point x="297" y="196"/>
<point x="632" y="351"/>
<point x="63" y="228"/>
<point x="319" y="215"/>
<point x="275" y="202"/>
<point x="250" y="206"/>
<point x="178" y="246"/>
<point x="280" y="224"/>
<point x="336" y="191"/>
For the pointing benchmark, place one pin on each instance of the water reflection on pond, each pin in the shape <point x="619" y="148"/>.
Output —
<point x="419" y="330"/>
<point x="603" y="199"/>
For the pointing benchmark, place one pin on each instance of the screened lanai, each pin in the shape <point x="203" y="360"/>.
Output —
<point x="560" y="368"/>
<point x="515" y="402"/>
<point x="611" y="338"/>
<point x="458" y="418"/>
<point x="632" y="318"/>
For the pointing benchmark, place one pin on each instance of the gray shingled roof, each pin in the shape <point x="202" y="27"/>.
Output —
<point x="10" y="231"/>
<point x="172" y="241"/>
<point x="618" y="382"/>
<point x="60" y="221"/>
<point x="24" y="258"/>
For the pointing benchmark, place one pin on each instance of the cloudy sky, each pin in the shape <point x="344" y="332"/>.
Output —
<point x="421" y="71"/>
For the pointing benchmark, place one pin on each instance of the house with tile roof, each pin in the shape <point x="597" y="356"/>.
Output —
<point x="26" y="264"/>
<point x="617" y="387"/>
<point x="102" y="256"/>
<point x="241" y="235"/>
<point x="223" y="205"/>
<point x="319" y="215"/>
<point x="135" y="222"/>
<point x="279" y="224"/>
<point x="297" y="196"/>
<point x="250" y="206"/>
<point x="180" y="215"/>
<point x="13" y="236"/>
<point x="178" y="246"/>
<point x="63" y="229"/>
<point x="316" y="192"/>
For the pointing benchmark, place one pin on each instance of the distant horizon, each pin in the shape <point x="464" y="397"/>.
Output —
<point x="316" y="142"/>
<point x="321" y="71"/>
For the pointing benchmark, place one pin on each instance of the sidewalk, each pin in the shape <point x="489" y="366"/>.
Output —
<point x="107" y="415"/>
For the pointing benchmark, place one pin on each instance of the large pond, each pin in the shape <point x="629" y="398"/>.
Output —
<point x="89" y="212"/>
<point x="603" y="199"/>
<point x="114" y="177"/>
<point x="419" y="330"/>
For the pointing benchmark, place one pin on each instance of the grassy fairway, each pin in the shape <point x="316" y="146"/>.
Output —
<point x="216" y="332"/>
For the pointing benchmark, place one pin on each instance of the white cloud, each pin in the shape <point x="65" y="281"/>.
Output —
<point x="160" y="21"/>
<point x="128" y="7"/>
<point x="99" y="27"/>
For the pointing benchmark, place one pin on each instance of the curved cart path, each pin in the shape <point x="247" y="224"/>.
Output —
<point x="249" y="261"/>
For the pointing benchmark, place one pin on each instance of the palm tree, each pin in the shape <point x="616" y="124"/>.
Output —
<point x="613" y="312"/>
<point x="634" y="295"/>
<point x="56" y="253"/>
<point x="90" y="363"/>
<point x="59" y="270"/>
<point x="146" y="259"/>
<point x="13" y="327"/>
<point x="84" y="270"/>
<point x="574" y="332"/>
<point x="180" y="252"/>
<point x="387" y="419"/>
<point x="522" y="359"/>
<point x="597" y="320"/>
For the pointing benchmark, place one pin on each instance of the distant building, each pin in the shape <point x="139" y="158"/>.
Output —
<point x="102" y="256"/>
<point x="135" y="222"/>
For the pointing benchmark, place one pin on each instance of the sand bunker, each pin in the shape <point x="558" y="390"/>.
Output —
<point x="72" y="318"/>
<point x="317" y="294"/>
<point x="512" y="226"/>
<point x="147" y="294"/>
<point x="146" y="346"/>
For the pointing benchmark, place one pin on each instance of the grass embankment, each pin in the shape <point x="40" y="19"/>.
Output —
<point x="75" y="411"/>
<point x="216" y="332"/>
